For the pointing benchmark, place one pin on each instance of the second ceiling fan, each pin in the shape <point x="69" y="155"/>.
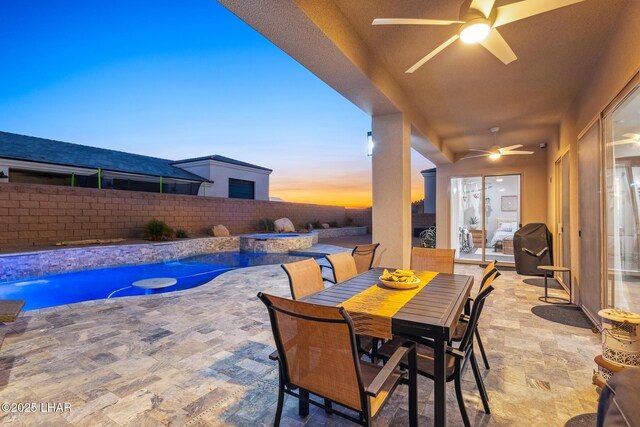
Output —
<point x="478" y="23"/>
<point x="496" y="152"/>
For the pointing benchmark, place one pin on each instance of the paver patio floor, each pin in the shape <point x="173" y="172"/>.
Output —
<point x="199" y="357"/>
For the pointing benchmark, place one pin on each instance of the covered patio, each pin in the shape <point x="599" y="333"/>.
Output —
<point x="200" y="358"/>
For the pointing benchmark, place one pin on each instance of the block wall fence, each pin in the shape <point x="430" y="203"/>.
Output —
<point x="44" y="214"/>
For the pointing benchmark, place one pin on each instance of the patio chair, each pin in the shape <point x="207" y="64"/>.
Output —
<point x="487" y="277"/>
<point x="305" y="278"/>
<point x="363" y="256"/>
<point x="343" y="266"/>
<point x="319" y="356"/>
<point x="427" y="259"/>
<point x="456" y="357"/>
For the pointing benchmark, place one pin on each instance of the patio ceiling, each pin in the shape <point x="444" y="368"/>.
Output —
<point x="456" y="97"/>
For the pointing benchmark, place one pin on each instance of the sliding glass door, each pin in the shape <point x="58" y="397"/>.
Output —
<point x="622" y="175"/>
<point x="467" y="217"/>
<point x="502" y="216"/>
<point x="485" y="214"/>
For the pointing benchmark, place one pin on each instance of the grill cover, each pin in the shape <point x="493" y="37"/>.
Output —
<point x="532" y="248"/>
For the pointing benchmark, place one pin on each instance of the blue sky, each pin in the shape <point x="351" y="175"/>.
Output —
<point x="180" y="79"/>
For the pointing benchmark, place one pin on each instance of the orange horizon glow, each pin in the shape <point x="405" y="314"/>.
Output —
<point x="351" y="190"/>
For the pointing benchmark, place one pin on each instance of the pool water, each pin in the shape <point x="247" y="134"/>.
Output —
<point x="114" y="282"/>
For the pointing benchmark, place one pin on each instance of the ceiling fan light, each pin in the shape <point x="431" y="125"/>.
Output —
<point x="474" y="31"/>
<point x="495" y="156"/>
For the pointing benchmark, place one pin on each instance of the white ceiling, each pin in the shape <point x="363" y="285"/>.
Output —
<point x="465" y="90"/>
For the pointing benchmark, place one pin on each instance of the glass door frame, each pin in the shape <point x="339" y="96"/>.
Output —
<point x="483" y="177"/>
<point x="631" y="88"/>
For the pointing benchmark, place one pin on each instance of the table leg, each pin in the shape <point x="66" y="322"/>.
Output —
<point x="546" y="274"/>
<point x="303" y="407"/>
<point x="570" y="289"/>
<point x="413" y="389"/>
<point x="440" y="383"/>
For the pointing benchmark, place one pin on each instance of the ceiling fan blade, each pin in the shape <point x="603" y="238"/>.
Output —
<point x="432" y="54"/>
<point x="483" y="6"/>
<point x="480" y="151"/>
<point x="495" y="44"/>
<point x="509" y="148"/>
<point x="413" y="21"/>
<point x="471" y="157"/>
<point x="524" y="9"/>
<point x="513" y="153"/>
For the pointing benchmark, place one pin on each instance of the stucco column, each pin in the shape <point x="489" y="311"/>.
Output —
<point x="392" y="189"/>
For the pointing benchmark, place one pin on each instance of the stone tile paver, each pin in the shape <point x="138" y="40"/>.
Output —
<point x="200" y="358"/>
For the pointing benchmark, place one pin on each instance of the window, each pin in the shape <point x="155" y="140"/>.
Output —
<point x="241" y="189"/>
<point x="170" y="186"/>
<point x="35" y="177"/>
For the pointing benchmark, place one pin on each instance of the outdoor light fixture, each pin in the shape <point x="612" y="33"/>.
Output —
<point x="475" y="30"/>
<point x="369" y="143"/>
<point x="495" y="156"/>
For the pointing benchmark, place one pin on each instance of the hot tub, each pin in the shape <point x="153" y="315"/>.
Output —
<point x="283" y="242"/>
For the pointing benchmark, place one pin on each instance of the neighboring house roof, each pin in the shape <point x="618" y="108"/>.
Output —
<point x="223" y="159"/>
<point x="41" y="150"/>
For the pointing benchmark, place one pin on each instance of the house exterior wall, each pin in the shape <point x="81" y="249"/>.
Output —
<point x="220" y="172"/>
<point x="41" y="214"/>
<point x="616" y="67"/>
<point x="531" y="168"/>
<point x="429" y="191"/>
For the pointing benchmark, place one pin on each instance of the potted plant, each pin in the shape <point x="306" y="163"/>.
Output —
<point x="474" y="222"/>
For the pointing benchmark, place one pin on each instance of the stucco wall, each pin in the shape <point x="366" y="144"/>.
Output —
<point x="614" y="70"/>
<point x="533" y="171"/>
<point x="38" y="214"/>
<point x="220" y="172"/>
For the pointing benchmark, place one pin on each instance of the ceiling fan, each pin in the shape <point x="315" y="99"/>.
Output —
<point x="478" y="23"/>
<point x="495" y="152"/>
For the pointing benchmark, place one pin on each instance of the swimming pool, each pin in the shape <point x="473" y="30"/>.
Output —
<point x="114" y="282"/>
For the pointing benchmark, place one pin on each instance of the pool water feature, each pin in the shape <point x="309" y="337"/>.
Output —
<point x="114" y="282"/>
<point x="277" y="242"/>
<point x="274" y="235"/>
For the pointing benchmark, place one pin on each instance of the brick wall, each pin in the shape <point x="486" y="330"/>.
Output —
<point x="39" y="214"/>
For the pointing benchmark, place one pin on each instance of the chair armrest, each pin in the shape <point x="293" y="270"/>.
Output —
<point x="450" y="350"/>
<point x="455" y="352"/>
<point x="389" y="368"/>
<point x="274" y="355"/>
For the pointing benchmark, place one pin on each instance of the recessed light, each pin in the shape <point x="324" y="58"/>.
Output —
<point x="502" y="189"/>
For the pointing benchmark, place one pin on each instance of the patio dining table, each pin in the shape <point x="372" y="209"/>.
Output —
<point x="432" y="313"/>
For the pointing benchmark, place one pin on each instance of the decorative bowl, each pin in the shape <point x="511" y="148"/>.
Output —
<point x="400" y="285"/>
